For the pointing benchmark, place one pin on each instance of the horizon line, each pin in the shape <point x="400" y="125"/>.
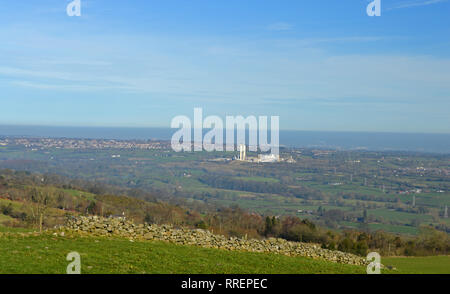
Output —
<point x="168" y="128"/>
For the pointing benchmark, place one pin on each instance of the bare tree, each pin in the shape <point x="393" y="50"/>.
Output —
<point x="40" y="201"/>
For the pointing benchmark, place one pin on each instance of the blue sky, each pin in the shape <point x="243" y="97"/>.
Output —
<point x="318" y="64"/>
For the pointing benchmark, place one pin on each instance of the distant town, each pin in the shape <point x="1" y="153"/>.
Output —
<point x="66" y="143"/>
<point x="72" y="144"/>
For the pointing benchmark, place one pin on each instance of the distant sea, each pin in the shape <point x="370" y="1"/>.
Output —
<point x="430" y="143"/>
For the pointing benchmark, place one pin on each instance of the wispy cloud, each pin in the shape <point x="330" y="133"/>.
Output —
<point x="416" y="4"/>
<point x="353" y="39"/>
<point x="280" y="26"/>
<point x="305" y="70"/>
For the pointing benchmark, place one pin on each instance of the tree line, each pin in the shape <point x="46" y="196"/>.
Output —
<point x="44" y="204"/>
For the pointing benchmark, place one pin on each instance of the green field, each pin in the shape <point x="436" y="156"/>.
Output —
<point x="420" y="265"/>
<point x="46" y="254"/>
<point x="258" y="179"/>
<point x="332" y="181"/>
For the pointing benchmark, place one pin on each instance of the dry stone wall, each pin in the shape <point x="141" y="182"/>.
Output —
<point x="196" y="237"/>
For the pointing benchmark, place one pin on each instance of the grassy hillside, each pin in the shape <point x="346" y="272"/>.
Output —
<point x="27" y="254"/>
<point x="420" y="265"/>
<point x="46" y="254"/>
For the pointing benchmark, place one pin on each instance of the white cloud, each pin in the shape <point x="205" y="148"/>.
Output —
<point x="248" y="71"/>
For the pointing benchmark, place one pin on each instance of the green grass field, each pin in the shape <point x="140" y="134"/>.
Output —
<point x="258" y="179"/>
<point x="46" y="254"/>
<point x="420" y="265"/>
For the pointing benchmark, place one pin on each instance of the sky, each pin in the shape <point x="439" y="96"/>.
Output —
<point x="317" y="64"/>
